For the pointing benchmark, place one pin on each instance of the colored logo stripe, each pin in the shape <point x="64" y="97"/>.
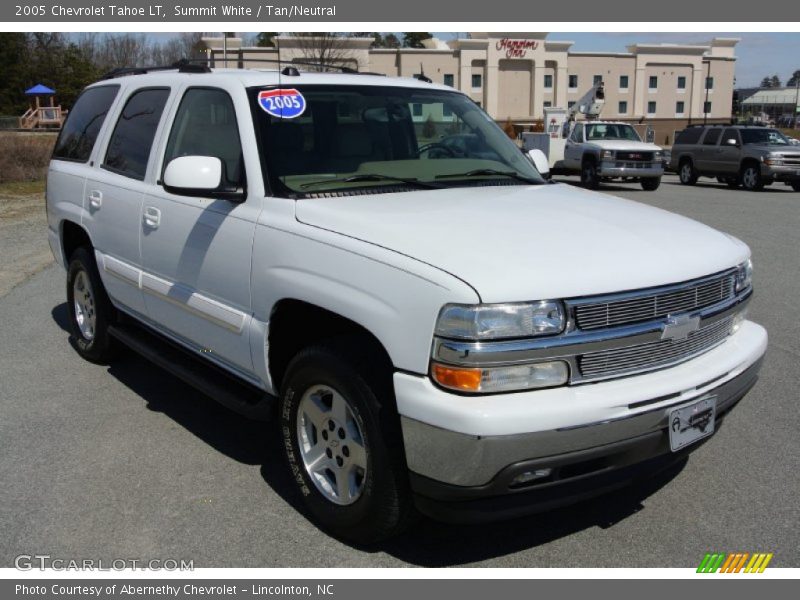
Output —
<point x="734" y="563"/>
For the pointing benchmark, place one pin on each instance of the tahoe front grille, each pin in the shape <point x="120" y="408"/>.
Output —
<point x="642" y="156"/>
<point x="638" y="308"/>
<point x="653" y="355"/>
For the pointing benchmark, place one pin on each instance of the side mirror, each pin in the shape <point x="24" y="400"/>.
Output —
<point x="540" y="162"/>
<point x="732" y="142"/>
<point x="198" y="176"/>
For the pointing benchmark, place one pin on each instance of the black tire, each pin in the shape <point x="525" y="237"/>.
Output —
<point x="95" y="308"/>
<point x="589" y="178"/>
<point x="796" y="186"/>
<point x="650" y="184"/>
<point x="687" y="173"/>
<point x="751" y="177"/>
<point x="384" y="505"/>
<point x="732" y="182"/>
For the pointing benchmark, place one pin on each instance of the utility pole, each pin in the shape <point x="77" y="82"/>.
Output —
<point x="796" y="100"/>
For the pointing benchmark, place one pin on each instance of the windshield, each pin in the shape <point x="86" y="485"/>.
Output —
<point x="611" y="131"/>
<point x="768" y="137"/>
<point x="332" y="138"/>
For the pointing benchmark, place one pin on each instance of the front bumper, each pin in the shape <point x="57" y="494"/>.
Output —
<point x="781" y="173"/>
<point x="623" y="169"/>
<point x="464" y="454"/>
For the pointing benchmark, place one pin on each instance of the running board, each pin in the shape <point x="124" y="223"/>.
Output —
<point x="207" y="378"/>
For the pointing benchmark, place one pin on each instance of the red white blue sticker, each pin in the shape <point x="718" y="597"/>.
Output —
<point x="284" y="103"/>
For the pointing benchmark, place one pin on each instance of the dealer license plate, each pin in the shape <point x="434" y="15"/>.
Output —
<point x="692" y="422"/>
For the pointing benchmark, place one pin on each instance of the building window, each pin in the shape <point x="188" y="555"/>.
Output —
<point x="706" y="108"/>
<point x="573" y="82"/>
<point x="416" y="109"/>
<point x="547" y="104"/>
<point x="623" y="107"/>
<point x="623" y="82"/>
<point x="651" y="108"/>
<point x="477" y="81"/>
<point x="548" y="81"/>
<point x="597" y="79"/>
<point x="709" y="83"/>
<point x="653" y="85"/>
<point x="571" y="103"/>
<point x="446" y="111"/>
<point x="679" y="108"/>
<point x="682" y="83"/>
<point x="449" y="79"/>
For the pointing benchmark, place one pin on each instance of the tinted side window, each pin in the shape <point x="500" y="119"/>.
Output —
<point x="83" y="124"/>
<point x="129" y="148"/>
<point x="712" y="137"/>
<point x="689" y="136"/>
<point x="205" y="125"/>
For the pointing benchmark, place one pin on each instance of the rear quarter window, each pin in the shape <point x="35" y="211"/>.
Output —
<point x="79" y="134"/>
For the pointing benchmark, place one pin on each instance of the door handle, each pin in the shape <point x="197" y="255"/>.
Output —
<point x="152" y="217"/>
<point x="96" y="198"/>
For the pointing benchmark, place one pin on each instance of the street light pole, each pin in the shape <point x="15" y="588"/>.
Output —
<point x="705" y="102"/>
<point x="796" y="100"/>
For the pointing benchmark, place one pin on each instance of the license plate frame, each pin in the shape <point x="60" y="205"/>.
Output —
<point x="692" y="422"/>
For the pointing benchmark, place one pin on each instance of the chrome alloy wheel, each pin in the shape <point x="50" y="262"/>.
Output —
<point x="83" y="297"/>
<point x="750" y="178"/>
<point x="331" y="444"/>
<point x="686" y="172"/>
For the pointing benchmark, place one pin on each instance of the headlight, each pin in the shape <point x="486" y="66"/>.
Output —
<point x="744" y="276"/>
<point x="501" y="379"/>
<point x="607" y="155"/>
<point x="658" y="155"/>
<point x="501" y="321"/>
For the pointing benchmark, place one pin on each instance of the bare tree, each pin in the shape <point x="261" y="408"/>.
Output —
<point x="327" y="49"/>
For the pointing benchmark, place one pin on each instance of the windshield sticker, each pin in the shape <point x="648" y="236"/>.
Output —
<point x="283" y="104"/>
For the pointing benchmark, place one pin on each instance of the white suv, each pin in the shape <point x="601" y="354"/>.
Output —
<point x="375" y="264"/>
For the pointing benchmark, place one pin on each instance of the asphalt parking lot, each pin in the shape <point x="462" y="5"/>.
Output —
<point x="127" y="462"/>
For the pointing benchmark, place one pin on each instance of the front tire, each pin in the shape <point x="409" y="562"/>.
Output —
<point x="589" y="177"/>
<point x="651" y="184"/>
<point x="343" y="444"/>
<point x="90" y="310"/>
<point x="687" y="173"/>
<point x="751" y="178"/>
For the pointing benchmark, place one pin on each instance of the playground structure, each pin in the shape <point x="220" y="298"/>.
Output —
<point x="40" y="116"/>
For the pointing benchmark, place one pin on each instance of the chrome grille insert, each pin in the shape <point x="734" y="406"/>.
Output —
<point x="635" y="308"/>
<point x="653" y="355"/>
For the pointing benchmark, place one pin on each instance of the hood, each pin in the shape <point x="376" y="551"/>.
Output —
<point x="625" y="145"/>
<point x="514" y="243"/>
<point x="767" y="149"/>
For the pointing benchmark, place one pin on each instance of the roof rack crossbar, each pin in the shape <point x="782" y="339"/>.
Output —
<point x="288" y="63"/>
<point x="182" y="66"/>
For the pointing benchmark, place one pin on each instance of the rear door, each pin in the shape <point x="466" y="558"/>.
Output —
<point x="707" y="156"/>
<point x="114" y="191"/>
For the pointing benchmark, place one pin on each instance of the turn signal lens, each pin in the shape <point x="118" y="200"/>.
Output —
<point x="455" y="378"/>
<point x="501" y="379"/>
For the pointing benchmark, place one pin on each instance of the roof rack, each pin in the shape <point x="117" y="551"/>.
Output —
<point x="289" y="64"/>
<point x="182" y="66"/>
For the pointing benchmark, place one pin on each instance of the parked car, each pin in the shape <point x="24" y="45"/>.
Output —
<point x="736" y="155"/>
<point x="433" y="327"/>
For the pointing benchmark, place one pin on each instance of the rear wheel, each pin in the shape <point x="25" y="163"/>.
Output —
<point x="90" y="310"/>
<point x="687" y="173"/>
<point x="343" y="444"/>
<point x="589" y="178"/>
<point x="651" y="184"/>
<point x="751" y="177"/>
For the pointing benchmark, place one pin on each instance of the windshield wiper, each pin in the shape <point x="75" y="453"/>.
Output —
<point x="477" y="172"/>
<point x="373" y="177"/>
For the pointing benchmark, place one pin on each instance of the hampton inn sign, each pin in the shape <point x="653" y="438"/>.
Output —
<point x="516" y="48"/>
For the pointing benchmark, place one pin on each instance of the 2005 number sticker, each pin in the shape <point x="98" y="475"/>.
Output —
<point x="283" y="103"/>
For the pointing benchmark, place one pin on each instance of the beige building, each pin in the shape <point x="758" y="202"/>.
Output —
<point x="516" y="75"/>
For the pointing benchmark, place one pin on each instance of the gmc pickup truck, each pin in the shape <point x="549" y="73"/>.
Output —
<point x="431" y="326"/>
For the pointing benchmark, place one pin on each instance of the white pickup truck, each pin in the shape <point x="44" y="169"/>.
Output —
<point x="431" y="325"/>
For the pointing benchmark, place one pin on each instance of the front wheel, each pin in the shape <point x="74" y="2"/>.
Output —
<point x="589" y="177"/>
<point x="687" y="173"/>
<point x="343" y="445"/>
<point x="751" y="178"/>
<point x="651" y="184"/>
<point x="90" y="310"/>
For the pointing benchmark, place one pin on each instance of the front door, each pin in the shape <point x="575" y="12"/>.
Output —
<point x="196" y="251"/>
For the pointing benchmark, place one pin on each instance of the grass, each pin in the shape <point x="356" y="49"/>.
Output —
<point x="22" y="188"/>
<point x="24" y="156"/>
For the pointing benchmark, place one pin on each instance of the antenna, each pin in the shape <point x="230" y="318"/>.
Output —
<point x="421" y="75"/>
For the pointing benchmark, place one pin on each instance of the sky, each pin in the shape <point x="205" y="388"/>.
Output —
<point x="758" y="54"/>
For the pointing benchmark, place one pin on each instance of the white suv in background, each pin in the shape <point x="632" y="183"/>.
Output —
<point x="431" y="324"/>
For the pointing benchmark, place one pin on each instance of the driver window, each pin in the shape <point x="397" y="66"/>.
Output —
<point x="577" y="133"/>
<point x="205" y="125"/>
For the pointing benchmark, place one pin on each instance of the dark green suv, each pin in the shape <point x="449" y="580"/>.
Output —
<point x="736" y="155"/>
